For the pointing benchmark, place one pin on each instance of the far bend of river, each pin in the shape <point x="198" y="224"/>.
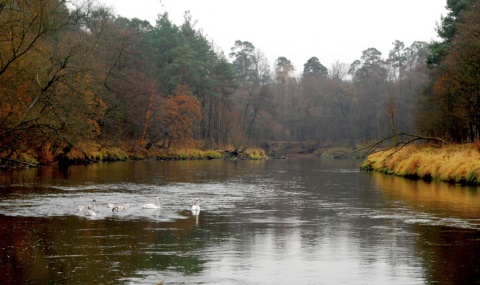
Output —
<point x="300" y="221"/>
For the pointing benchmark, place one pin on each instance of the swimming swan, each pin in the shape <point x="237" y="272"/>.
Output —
<point x="120" y="208"/>
<point x="92" y="206"/>
<point x="196" y="207"/>
<point x="152" y="206"/>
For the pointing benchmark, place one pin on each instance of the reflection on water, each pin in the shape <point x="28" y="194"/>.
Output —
<point x="447" y="218"/>
<point x="262" y="222"/>
<point x="432" y="196"/>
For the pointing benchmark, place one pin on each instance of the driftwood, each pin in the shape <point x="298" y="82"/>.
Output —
<point x="399" y="145"/>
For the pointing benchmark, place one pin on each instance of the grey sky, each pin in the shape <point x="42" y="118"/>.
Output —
<point x="331" y="30"/>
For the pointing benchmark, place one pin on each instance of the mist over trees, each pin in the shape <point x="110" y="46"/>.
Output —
<point x="76" y="77"/>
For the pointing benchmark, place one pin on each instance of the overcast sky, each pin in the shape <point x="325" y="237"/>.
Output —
<point x="331" y="30"/>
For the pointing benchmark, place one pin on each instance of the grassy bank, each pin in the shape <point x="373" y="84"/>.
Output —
<point x="451" y="163"/>
<point x="94" y="152"/>
<point x="189" y="153"/>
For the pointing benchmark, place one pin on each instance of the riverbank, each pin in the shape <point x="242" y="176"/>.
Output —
<point x="292" y="149"/>
<point x="92" y="153"/>
<point x="459" y="164"/>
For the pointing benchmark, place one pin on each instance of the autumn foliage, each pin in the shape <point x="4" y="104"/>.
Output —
<point x="78" y="83"/>
<point x="450" y="105"/>
<point x="180" y="118"/>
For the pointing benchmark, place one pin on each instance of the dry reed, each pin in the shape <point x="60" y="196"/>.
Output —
<point x="453" y="163"/>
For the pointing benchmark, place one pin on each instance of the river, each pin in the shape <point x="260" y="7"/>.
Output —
<point x="299" y="221"/>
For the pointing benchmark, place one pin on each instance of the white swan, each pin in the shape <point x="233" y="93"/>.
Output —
<point x="120" y="208"/>
<point x="90" y="212"/>
<point x="152" y="206"/>
<point x="92" y="206"/>
<point x="80" y="208"/>
<point x="196" y="207"/>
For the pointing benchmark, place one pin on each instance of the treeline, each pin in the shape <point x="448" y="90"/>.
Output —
<point x="76" y="77"/>
<point x="449" y="105"/>
<point x="430" y="89"/>
<point x="346" y="105"/>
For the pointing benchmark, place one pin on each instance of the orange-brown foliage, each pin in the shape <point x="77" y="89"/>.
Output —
<point x="181" y="116"/>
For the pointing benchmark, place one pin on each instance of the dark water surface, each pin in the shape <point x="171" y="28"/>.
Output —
<point x="308" y="221"/>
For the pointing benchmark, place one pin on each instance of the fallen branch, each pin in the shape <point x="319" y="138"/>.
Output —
<point x="19" y="162"/>
<point x="398" y="146"/>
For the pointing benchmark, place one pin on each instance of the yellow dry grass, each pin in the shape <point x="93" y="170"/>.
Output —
<point x="255" y="153"/>
<point x="453" y="163"/>
<point x="96" y="152"/>
<point x="192" y="153"/>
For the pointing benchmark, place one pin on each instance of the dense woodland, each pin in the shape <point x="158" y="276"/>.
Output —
<point x="74" y="77"/>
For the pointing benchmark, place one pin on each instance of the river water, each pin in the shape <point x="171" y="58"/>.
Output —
<point x="301" y="221"/>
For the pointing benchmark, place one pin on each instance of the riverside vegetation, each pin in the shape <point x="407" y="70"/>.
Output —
<point x="80" y="84"/>
<point x="458" y="163"/>
<point x="95" y="153"/>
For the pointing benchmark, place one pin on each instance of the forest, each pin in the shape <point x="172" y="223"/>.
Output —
<point x="77" y="81"/>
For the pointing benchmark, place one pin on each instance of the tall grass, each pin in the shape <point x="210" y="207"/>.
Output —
<point x="95" y="152"/>
<point x="455" y="163"/>
<point x="191" y="153"/>
<point x="255" y="153"/>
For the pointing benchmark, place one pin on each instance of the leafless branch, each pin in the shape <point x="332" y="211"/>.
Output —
<point x="398" y="146"/>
